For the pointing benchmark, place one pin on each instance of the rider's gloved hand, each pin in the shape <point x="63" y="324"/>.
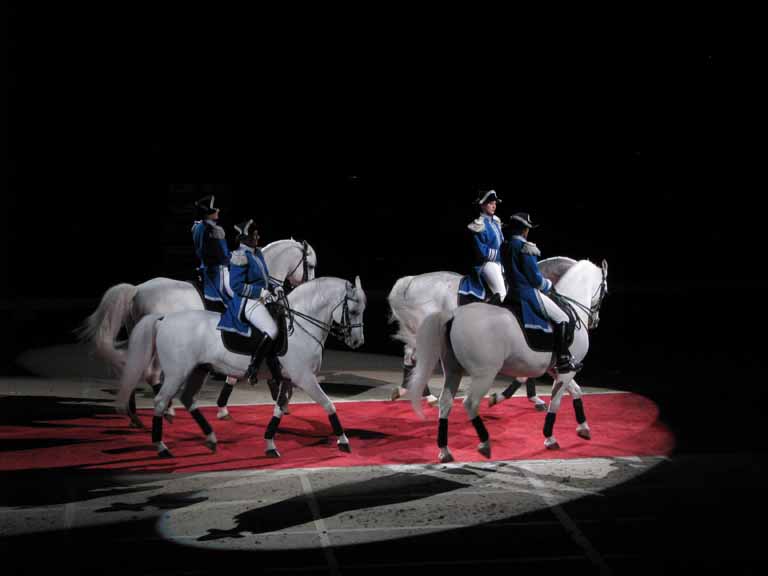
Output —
<point x="278" y="292"/>
<point x="265" y="296"/>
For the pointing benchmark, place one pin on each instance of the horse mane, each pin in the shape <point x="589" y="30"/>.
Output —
<point x="280" y="242"/>
<point x="316" y="285"/>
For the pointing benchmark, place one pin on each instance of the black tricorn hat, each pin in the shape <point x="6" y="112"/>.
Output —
<point x="488" y="196"/>
<point x="525" y="218"/>
<point x="244" y="228"/>
<point x="205" y="205"/>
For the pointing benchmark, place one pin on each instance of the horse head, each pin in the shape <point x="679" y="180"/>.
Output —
<point x="349" y="314"/>
<point x="306" y="261"/>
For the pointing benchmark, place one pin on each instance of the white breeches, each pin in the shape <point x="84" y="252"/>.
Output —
<point x="258" y="315"/>
<point x="491" y="273"/>
<point x="225" y="277"/>
<point x="553" y="310"/>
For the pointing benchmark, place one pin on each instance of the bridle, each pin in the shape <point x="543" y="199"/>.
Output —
<point x="339" y="330"/>
<point x="593" y="311"/>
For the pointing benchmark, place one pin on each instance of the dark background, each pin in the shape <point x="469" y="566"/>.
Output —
<point x="372" y="145"/>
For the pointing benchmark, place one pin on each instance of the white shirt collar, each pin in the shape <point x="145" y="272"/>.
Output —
<point x="520" y="237"/>
<point x="246" y="247"/>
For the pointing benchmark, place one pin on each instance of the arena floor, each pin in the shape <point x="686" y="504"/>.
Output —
<point x="627" y="513"/>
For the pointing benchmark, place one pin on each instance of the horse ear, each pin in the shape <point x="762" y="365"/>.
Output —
<point x="358" y="285"/>
<point x="605" y="266"/>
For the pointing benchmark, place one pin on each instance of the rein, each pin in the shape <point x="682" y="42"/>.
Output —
<point x="333" y="329"/>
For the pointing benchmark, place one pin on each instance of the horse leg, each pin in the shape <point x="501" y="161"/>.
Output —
<point x="221" y="402"/>
<point x="309" y="384"/>
<point x="154" y="377"/>
<point x="450" y="387"/>
<point x="135" y="422"/>
<point x="194" y="383"/>
<point x="477" y="389"/>
<point x="269" y="433"/>
<point x="558" y="389"/>
<point x="530" y="391"/>
<point x="162" y="399"/>
<point x="582" y="429"/>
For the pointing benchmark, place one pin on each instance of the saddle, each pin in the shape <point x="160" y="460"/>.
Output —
<point x="536" y="340"/>
<point x="240" y="344"/>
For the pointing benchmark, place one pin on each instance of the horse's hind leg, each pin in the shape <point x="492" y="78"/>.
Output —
<point x="530" y="392"/>
<point x="450" y="387"/>
<point x="578" y="407"/>
<point x="223" y="399"/>
<point x="479" y="386"/>
<point x="194" y="383"/>
<point x="154" y="377"/>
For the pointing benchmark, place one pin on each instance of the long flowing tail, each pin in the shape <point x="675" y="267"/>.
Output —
<point x="406" y="313"/>
<point x="430" y="339"/>
<point x="102" y="327"/>
<point x="141" y="345"/>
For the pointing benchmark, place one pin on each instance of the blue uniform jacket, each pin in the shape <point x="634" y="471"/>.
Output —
<point x="212" y="251"/>
<point x="521" y="267"/>
<point x="248" y="276"/>
<point x="487" y="241"/>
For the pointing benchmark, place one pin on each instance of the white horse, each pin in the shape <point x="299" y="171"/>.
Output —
<point x="413" y="298"/>
<point x="123" y="305"/>
<point x="185" y="341"/>
<point x="482" y="340"/>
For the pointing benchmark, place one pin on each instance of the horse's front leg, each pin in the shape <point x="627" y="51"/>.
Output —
<point x="558" y="389"/>
<point x="578" y="407"/>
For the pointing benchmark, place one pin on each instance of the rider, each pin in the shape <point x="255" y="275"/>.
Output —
<point x="527" y="288"/>
<point x="247" y="310"/>
<point x="487" y="242"/>
<point x="211" y="248"/>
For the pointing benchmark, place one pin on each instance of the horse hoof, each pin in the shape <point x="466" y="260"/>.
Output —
<point x="168" y="417"/>
<point x="492" y="400"/>
<point x="211" y="445"/>
<point x="345" y="448"/>
<point x="272" y="453"/>
<point x="445" y="458"/>
<point x="553" y="446"/>
<point x="395" y="394"/>
<point x="432" y="400"/>
<point x="164" y="454"/>
<point x="225" y="416"/>
<point x="584" y="433"/>
<point x="484" y="450"/>
<point x="541" y="407"/>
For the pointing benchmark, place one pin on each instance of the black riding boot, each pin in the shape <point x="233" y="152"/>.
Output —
<point x="256" y="358"/>
<point x="495" y="299"/>
<point x="564" y="361"/>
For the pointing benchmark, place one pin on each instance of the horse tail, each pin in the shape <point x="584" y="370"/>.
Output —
<point x="102" y="327"/>
<point x="403" y="312"/>
<point x="430" y="339"/>
<point x="141" y="346"/>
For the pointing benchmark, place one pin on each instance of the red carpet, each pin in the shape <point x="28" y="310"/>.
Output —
<point x="379" y="432"/>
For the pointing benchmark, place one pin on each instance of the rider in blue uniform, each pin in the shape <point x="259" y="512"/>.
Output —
<point x="211" y="248"/>
<point x="487" y="240"/>
<point x="527" y="288"/>
<point x="252" y="289"/>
